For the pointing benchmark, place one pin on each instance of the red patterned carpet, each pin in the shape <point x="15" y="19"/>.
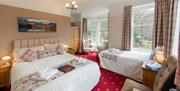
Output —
<point x="109" y="81"/>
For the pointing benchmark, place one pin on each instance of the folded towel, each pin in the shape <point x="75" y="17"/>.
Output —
<point x="114" y="51"/>
<point x="153" y="66"/>
<point x="47" y="73"/>
<point x="80" y="60"/>
<point x="35" y="77"/>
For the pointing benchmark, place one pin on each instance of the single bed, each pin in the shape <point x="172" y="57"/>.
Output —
<point x="81" y="79"/>
<point x="126" y="63"/>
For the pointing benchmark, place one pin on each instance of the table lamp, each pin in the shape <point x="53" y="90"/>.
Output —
<point x="6" y="59"/>
<point x="159" y="57"/>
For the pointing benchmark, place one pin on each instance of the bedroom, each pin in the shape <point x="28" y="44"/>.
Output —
<point x="89" y="45"/>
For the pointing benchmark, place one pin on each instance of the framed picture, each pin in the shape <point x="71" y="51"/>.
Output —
<point x="36" y="25"/>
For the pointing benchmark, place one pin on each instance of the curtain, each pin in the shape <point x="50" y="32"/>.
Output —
<point x="83" y="34"/>
<point x="126" y="45"/>
<point x="164" y="24"/>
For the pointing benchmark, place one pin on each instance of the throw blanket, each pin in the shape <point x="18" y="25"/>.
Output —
<point x="28" y="84"/>
<point x="115" y="51"/>
<point x="112" y="54"/>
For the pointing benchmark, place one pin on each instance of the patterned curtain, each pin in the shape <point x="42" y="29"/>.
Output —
<point x="164" y="24"/>
<point x="83" y="35"/>
<point x="126" y="45"/>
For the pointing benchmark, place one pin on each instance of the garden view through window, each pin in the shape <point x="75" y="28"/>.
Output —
<point x="97" y="30"/>
<point x="142" y="27"/>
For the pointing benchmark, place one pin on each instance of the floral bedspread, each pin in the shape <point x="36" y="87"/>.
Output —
<point x="28" y="84"/>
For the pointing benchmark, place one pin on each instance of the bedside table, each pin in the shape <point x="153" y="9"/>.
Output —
<point x="148" y="76"/>
<point x="5" y="75"/>
<point x="70" y="52"/>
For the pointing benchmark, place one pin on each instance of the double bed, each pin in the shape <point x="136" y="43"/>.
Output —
<point x="81" y="79"/>
<point x="127" y="63"/>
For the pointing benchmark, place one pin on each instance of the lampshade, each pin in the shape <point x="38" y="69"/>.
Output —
<point x="67" y="5"/>
<point x="76" y="6"/>
<point x="73" y="5"/>
<point x="73" y="2"/>
<point x="159" y="57"/>
<point x="65" y="46"/>
<point x="5" y="58"/>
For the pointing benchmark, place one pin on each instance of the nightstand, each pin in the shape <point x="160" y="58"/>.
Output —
<point x="71" y="52"/>
<point x="5" y="75"/>
<point x="148" y="76"/>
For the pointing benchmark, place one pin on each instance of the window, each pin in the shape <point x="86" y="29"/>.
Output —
<point x="97" y="30"/>
<point x="142" y="26"/>
<point x="176" y="34"/>
<point x="92" y="28"/>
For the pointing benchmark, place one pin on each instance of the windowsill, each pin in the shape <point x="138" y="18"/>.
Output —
<point x="142" y="50"/>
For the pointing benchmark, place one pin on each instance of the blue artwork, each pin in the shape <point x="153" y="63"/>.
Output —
<point x="36" y="25"/>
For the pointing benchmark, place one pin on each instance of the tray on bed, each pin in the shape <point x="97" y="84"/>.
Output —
<point x="66" y="68"/>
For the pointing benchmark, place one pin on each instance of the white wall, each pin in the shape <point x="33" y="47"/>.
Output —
<point x="48" y="6"/>
<point x="116" y="22"/>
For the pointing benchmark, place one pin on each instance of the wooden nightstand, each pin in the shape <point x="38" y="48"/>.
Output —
<point x="148" y="76"/>
<point x="71" y="52"/>
<point x="5" y="75"/>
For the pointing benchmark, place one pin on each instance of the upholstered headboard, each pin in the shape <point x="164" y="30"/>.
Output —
<point x="25" y="43"/>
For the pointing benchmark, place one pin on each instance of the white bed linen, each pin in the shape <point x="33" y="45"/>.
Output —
<point x="127" y="63"/>
<point x="81" y="79"/>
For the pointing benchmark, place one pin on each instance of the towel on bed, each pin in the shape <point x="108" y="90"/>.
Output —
<point x="115" y="51"/>
<point x="47" y="73"/>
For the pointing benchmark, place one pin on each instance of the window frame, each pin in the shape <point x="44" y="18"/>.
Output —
<point x="98" y="28"/>
<point x="133" y="26"/>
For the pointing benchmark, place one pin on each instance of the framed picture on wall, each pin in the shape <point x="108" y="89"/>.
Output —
<point x="36" y="25"/>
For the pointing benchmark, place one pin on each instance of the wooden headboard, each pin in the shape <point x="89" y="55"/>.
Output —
<point x="25" y="43"/>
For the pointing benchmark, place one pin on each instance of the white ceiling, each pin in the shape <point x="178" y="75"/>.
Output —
<point x="87" y="8"/>
<point x="93" y="8"/>
<point x="48" y="6"/>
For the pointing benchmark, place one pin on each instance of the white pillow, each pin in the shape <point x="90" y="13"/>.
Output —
<point x="59" y="48"/>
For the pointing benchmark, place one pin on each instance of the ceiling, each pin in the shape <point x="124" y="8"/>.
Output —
<point x="92" y="8"/>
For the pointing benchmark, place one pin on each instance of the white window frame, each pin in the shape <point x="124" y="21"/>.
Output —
<point x="132" y="28"/>
<point x="98" y="28"/>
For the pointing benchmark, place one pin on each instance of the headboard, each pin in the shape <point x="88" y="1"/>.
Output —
<point x="25" y="43"/>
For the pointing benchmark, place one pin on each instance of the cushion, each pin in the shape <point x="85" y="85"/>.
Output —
<point x="29" y="55"/>
<point x="60" y="49"/>
<point x="130" y="84"/>
<point x="52" y="52"/>
<point x="19" y="52"/>
<point x="43" y="54"/>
